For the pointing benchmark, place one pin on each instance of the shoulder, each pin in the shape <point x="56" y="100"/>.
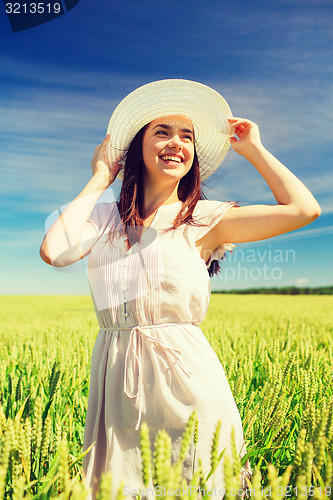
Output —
<point x="103" y="213"/>
<point x="210" y="209"/>
<point x="102" y="210"/>
<point x="209" y="213"/>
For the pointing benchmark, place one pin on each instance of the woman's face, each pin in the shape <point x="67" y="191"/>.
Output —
<point x="168" y="147"/>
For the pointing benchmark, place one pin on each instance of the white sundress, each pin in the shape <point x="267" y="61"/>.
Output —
<point x="151" y="361"/>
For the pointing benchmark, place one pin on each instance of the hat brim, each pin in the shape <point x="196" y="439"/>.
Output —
<point x="206" y="108"/>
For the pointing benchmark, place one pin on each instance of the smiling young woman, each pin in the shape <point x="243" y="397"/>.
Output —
<point x="151" y="255"/>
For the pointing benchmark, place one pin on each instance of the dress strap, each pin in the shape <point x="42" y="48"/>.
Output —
<point x="133" y="377"/>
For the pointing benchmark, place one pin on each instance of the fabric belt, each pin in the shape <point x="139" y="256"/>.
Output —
<point x="133" y="358"/>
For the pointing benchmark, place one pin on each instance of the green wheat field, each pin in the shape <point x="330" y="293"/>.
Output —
<point x="277" y="352"/>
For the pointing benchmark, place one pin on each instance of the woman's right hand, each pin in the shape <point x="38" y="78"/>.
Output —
<point x="100" y="164"/>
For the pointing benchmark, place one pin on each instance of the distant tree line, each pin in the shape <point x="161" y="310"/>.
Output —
<point x="287" y="290"/>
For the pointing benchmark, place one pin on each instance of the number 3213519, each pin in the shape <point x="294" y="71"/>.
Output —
<point x="33" y="8"/>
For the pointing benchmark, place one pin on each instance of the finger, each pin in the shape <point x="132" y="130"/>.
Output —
<point x="239" y="125"/>
<point x="114" y="171"/>
<point x="241" y="121"/>
<point x="106" y="156"/>
<point x="234" y="120"/>
<point x="116" y="167"/>
<point x="238" y="118"/>
<point x="242" y="124"/>
<point x="238" y="131"/>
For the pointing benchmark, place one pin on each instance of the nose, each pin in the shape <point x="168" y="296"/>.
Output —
<point x="175" y="142"/>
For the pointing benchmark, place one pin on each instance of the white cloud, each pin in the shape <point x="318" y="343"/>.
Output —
<point x="302" y="281"/>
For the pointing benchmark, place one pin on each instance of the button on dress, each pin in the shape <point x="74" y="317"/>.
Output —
<point x="151" y="362"/>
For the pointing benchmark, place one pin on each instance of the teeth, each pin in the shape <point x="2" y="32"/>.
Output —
<point x="172" y="158"/>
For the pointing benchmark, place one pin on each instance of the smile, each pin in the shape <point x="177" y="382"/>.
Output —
<point x="171" y="158"/>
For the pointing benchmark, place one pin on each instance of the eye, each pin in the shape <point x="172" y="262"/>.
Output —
<point x="163" y="132"/>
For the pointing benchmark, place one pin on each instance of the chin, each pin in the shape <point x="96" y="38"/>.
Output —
<point x="175" y="172"/>
<point x="173" y="177"/>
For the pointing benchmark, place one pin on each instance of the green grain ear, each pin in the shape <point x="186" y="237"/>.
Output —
<point x="145" y="446"/>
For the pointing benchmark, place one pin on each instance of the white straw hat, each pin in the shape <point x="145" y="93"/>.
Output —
<point x="205" y="107"/>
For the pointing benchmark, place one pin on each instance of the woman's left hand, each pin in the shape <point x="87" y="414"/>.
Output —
<point x="247" y="133"/>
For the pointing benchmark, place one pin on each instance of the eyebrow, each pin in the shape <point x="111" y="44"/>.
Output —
<point x="169" y="127"/>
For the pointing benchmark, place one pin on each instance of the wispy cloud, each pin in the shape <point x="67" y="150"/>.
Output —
<point x="298" y="234"/>
<point x="21" y="239"/>
<point x="51" y="74"/>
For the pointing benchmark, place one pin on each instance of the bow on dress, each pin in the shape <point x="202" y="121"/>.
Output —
<point x="133" y="376"/>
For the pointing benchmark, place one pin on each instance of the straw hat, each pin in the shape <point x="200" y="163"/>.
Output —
<point x="205" y="107"/>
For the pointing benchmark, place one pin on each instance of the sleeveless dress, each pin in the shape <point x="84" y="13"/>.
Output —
<point x="151" y="361"/>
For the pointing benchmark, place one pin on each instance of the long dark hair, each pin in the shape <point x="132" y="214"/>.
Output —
<point x="131" y="199"/>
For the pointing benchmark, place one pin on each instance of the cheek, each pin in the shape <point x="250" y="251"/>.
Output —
<point x="146" y="151"/>
<point x="150" y="158"/>
<point x="149" y="148"/>
<point x="190" y="153"/>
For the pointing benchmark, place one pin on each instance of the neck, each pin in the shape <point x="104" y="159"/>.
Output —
<point x="155" y="197"/>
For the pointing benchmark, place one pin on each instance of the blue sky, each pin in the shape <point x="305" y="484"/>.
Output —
<point x="272" y="61"/>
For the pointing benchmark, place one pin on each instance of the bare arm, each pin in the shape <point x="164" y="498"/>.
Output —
<point x="296" y="206"/>
<point x="71" y="236"/>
